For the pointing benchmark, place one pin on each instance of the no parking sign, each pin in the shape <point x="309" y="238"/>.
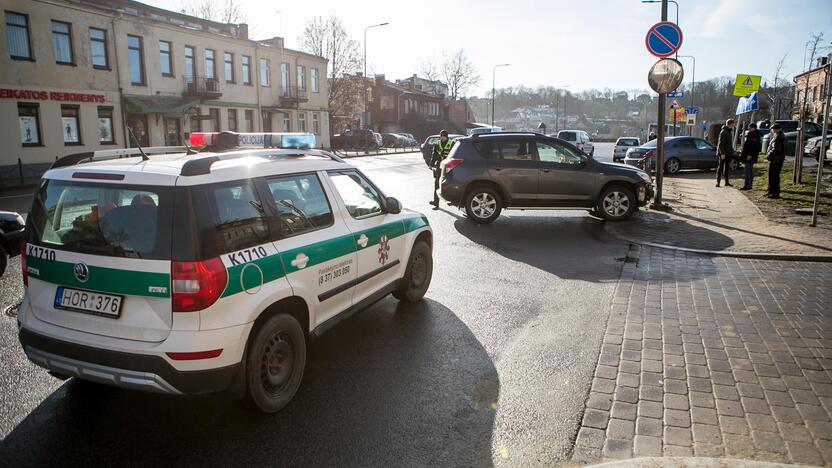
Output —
<point x="663" y="39"/>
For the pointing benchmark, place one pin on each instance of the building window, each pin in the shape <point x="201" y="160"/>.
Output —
<point x="210" y="66"/>
<point x="17" y="32"/>
<point x="229" y="67"/>
<point x="267" y="121"/>
<point x="284" y="78"/>
<point x="105" y="126"/>
<point x="316" y="123"/>
<point x="302" y="122"/>
<point x="138" y="134"/>
<point x="173" y="135"/>
<point x="246" y="70"/>
<point x="287" y="122"/>
<point x="215" y="119"/>
<point x="264" y="72"/>
<point x="165" y="59"/>
<point x="232" y="120"/>
<point x="190" y="71"/>
<point x="62" y="43"/>
<point x="301" y="77"/>
<point x="98" y="48"/>
<point x="29" y="117"/>
<point x="135" y="57"/>
<point x="249" y="115"/>
<point x="70" y="126"/>
<point x="196" y="122"/>
<point x="313" y="77"/>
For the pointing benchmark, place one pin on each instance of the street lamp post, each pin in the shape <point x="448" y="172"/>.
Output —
<point x="669" y="1"/>
<point x="364" y="85"/>
<point x="494" y="88"/>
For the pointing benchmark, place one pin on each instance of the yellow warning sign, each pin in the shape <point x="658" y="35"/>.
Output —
<point x="677" y="114"/>
<point x="746" y="84"/>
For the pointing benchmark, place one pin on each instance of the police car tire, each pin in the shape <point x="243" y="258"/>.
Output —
<point x="469" y="209"/>
<point x="421" y="259"/>
<point x="4" y="259"/>
<point x="278" y="336"/>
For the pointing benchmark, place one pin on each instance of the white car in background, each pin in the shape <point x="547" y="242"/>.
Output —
<point x="580" y="139"/>
<point x="621" y="147"/>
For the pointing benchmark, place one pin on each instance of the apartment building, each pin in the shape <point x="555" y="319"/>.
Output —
<point x="810" y="91"/>
<point x="84" y="75"/>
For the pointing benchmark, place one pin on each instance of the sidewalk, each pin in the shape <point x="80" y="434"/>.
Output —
<point x="720" y="219"/>
<point x="713" y="357"/>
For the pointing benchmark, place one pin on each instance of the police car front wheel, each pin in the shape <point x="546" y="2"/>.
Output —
<point x="418" y="274"/>
<point x="275" y="363"/>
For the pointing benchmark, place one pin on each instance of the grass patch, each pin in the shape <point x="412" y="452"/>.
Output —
<point x="791" y="195"/>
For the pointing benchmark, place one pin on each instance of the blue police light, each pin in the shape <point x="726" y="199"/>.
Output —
<point x="254" y="140"/>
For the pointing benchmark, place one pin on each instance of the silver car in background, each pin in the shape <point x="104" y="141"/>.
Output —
<point x="621" y="147"/>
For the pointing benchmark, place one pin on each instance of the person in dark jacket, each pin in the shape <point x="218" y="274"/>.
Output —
<point x="724" y="151"/>
<point x="775" y="155"/>
<point x="750" y="149"/>
<point x="440" y="152"/>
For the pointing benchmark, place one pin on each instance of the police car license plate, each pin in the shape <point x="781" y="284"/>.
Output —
<point x="106" y="305"/>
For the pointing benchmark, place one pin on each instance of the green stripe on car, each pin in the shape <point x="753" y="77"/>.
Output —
<point x="101" y="279"/>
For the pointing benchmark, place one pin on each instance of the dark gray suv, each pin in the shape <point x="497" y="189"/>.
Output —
<point x="489" y="172"/>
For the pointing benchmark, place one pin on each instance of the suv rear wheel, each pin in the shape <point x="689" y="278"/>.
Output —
<point x="616" y="203"/>
<point x="275" y="363"/>
<point x="483" y="205"/>
<point x="733" y="164"/>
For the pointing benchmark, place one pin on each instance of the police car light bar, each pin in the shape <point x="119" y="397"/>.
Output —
<point x="253" y="140"/>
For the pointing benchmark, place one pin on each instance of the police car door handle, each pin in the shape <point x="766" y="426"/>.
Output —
<point x="362" y="241"/>
<point x="300" y="261"/>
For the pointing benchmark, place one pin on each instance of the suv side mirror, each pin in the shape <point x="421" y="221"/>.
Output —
<point x="392" y="205"/>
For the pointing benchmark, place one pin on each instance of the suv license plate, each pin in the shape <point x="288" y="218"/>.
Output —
<point x="105" y="305"/>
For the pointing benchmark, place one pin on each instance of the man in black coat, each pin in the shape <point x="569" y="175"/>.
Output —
<point x="775" y="155"/>
<point x="750" y="149"/>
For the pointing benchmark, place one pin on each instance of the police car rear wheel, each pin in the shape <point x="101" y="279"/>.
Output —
<point x="418" y="274"/>
<point x="483" y="205"/>
<point x="275" y="363"/>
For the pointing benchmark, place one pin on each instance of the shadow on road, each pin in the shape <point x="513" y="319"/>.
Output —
<point x="411" y="387"/>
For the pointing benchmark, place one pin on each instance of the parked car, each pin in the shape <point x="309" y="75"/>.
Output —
<point x="11" y="233"/>
<point x="682" y="152"/>
<point x="812" y="148"/>
<point x="812" y="130"/>
<point x="355" y="139"/>
<point x="392" y="140"/>
<point x="427" y="146"/>
<point x="580" y="139"/>
<point x="621" y="147"/>
<point x="485" y="174"/>
<point x="378" y="139"/>
<point x="410" y="140"/>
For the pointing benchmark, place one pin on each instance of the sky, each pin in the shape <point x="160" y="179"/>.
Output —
<point x="571" y="44"/>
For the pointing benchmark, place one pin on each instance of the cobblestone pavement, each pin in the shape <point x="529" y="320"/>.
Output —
<point x="716" y="357"/>
<point x="723" y="219"/>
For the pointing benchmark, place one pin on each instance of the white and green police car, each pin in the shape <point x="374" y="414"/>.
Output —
<point x="184" y="272"/>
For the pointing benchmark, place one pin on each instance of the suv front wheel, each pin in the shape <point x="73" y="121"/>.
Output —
<point x="483" y="205"/>
<point x="616" y="203"/>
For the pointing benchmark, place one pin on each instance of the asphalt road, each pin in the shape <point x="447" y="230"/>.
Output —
<point x="492" y="368"/>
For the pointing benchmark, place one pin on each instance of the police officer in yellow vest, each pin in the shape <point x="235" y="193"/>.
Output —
<point x="440" y="152"/>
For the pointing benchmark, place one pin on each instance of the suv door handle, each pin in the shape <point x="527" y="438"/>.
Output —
<point x="362" y="241"/>
<point x="546" y="170"/>
<point x="300" y="261"/>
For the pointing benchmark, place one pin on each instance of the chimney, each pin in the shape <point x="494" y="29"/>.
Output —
<point x="242" y="31"/>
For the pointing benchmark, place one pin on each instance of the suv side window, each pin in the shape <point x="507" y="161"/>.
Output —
<point x="360" y="197"/>
<point x="515" y="150"/>
<point x="239" y="220"/>
<point x="301" y="203"/>
<point x="554" y="153"/>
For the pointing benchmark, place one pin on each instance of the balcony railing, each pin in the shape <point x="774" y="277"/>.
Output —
<point x="201" y="86"/>
<point x="293" y="95"/>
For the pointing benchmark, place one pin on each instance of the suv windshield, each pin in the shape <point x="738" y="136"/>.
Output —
<point x="113" y="220"/>
<point x="568" y="136"/>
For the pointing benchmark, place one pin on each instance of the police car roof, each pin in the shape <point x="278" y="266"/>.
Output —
<point x="205" y="167"/>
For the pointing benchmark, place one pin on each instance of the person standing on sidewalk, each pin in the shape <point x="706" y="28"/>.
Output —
<point x="725" y="150"/>
<point x="775" y="155"/>
<point x="750" y="150"/>
<point x="440" y="152"/>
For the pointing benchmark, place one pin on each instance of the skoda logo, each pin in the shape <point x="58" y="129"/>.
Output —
<point x="82" y="273"/>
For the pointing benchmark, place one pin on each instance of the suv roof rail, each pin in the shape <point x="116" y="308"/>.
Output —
<point x="118" y="153"/>
<point x="202" y="165"/>
<point x="485" y="134"/>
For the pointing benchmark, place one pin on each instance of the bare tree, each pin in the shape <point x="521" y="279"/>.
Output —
<point x="329" y="39"/>
<point x="459" y="74"/>
<point x="428" y="70"/>
<point x="812" y="48"/>
<point x="221" y="11"/>
<point x="779" y="93"/>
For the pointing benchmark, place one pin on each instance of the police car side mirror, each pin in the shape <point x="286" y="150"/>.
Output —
<point x="392" y="205"/>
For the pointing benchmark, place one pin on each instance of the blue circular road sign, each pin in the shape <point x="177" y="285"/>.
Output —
<point x="663" y="39"/>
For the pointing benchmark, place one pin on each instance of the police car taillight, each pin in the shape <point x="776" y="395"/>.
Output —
<point x="197" y="285"/>
<point x="253" y="140"/>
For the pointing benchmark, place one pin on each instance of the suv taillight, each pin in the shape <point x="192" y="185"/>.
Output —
<point x="451" y="164"/>
<point x="197" y="285"/>
<point x="23" y="264"/>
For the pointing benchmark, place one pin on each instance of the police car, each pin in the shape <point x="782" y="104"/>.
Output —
<point x="182" y="271"/>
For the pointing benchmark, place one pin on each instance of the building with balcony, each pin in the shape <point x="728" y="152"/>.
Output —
<point x="83" y="75"/>
<point x="810" y="92"/>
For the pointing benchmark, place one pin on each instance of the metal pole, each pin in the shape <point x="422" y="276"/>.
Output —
<point x="364" y="81"/>
<point x="822" y="154"/>
<point x="657" y="202"/>
<point x="493" y="87"/>
<point x="798" y="144"/>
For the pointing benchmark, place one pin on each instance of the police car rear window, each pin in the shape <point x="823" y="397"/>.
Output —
<point x="103" y="219"/>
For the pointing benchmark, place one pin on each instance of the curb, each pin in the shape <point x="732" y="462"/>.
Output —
<point x="662" y="462"/>
<point x="727" y="253"/>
